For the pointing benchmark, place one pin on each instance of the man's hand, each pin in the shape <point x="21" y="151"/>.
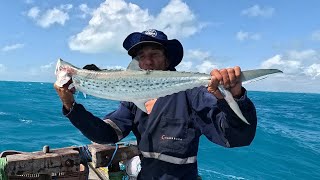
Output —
<point x="228" y="78"/>
<point x="65" y="94"/>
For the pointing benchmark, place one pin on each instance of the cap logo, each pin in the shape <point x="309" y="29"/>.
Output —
<point x="151" y="32"/>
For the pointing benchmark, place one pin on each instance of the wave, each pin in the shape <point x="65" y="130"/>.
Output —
<point x="4" y="113"/>
<point x="26" y="121"/>
<point x="210" y="174"/>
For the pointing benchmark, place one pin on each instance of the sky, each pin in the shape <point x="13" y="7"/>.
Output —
<point x="215" y="34"/>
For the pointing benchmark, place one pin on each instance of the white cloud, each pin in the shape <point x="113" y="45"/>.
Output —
<point x="66" y="7"/>
<point x="29" y="1"/>
<point x="115" y="19"/>
<point x="42" y="73"/>
<point x="115" y="67"/>
<point x="191" y="66"/>
<point x="176" y="19"/>
<point x="316" y="35"/>
<point x="313" y="70"/>
<point x="197" y="61"/>
<point x="51" y="16"/>
<point x="306" y="56"/>
<point x="33" y="12"/>
<point x="256" y="11"/>
<point x="196" y="54"/>
<point x="285" y="83"/>
<point x="185" y="66"/>
<point x="242" y="36"/>
<point x="12" y="47"/>
<point x="288" y="66"/>
<point x="85" y="10"/>
<point x="48" y="67"/>
<point x="301" y="73"/>
<point x="296" y="63"/>
<point x="3" y="68"/>
<point x="206" y="67"/>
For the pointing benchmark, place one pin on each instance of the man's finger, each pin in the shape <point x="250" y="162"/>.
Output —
<point x="213" y="87"/>
<point x="214" y="82"/>
<point x="237" y="72"/>
<point x="225" y="76"/>
<point x="217" y="75"/>
<point x="232" y="77"/>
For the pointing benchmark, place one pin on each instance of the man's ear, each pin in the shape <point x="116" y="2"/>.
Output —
<point x="167" y="63"/>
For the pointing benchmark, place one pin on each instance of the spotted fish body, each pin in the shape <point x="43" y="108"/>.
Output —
<point x="135" y="85"/>
<point x="139" y="86"/>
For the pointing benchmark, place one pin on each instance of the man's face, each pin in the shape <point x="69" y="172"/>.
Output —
<point x="152" y="58"/>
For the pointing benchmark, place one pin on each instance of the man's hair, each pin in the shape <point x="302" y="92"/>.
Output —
<point x="92" y="67"/>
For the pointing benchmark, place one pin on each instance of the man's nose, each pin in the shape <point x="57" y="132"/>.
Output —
<point x="148" y="60"/>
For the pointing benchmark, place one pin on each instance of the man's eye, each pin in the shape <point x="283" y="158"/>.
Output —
<point x="155" y="55"/>
<point x="141" y="57"/>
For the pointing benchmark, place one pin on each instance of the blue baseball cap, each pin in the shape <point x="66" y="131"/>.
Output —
<point x="173" y="47"/>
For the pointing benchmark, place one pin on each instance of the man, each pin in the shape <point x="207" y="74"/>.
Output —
<point x="168" y="135"/>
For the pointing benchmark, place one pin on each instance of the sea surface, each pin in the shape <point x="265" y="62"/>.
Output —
<point x="286" y="146"/>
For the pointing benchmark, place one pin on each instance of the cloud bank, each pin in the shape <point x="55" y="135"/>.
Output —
<point x="115" y="19"/>
<point x="298" y="63"/>
<point x="257" y="11"/>
<point x="242" y="36"/>
<point x="12" y="47"/>
<point x="56" y="15"/>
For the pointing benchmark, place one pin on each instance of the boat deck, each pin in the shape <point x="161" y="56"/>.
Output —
<point x="69" y="163"/>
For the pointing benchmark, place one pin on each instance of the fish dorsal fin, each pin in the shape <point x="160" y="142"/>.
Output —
<point x="134" y="65"/>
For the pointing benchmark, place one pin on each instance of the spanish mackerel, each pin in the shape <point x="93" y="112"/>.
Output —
<point x="139" y="86"/>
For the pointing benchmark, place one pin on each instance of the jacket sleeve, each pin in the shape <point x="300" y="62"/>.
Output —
<point x="96" y="129"/>
<point x="217" y="121"/>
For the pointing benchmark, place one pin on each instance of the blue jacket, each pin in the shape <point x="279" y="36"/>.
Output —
<point x="168" y="137"/>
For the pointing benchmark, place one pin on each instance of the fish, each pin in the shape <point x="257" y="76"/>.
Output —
<point x="139" y="86"/>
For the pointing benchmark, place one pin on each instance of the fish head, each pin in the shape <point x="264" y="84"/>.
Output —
<point x="63" y="66"/>
<point x="63" y="72"/>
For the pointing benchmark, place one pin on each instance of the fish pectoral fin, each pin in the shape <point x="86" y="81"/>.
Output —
<point x="84" y="95"/>
<point x="134" y="65"/>
<point x="141" y="105"/>
<point x="233" y="104"/>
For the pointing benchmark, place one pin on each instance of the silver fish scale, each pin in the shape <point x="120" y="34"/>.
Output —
<point x="144" y="85"/>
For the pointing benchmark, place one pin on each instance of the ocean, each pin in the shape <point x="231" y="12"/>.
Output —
<point x="286" y="146"/>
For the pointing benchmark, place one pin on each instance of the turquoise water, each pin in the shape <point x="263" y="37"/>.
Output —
<point x="286" y="146"/>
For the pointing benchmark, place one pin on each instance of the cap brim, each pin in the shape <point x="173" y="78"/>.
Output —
<point x="133" y="50"/>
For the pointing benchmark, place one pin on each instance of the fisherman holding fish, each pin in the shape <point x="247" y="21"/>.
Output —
<point x="168" y="128"/>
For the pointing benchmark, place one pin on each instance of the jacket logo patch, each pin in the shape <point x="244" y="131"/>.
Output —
<point x="164" y="137"/>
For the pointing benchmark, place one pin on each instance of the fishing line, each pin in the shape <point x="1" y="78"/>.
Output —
<point x="114" y="153"/>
